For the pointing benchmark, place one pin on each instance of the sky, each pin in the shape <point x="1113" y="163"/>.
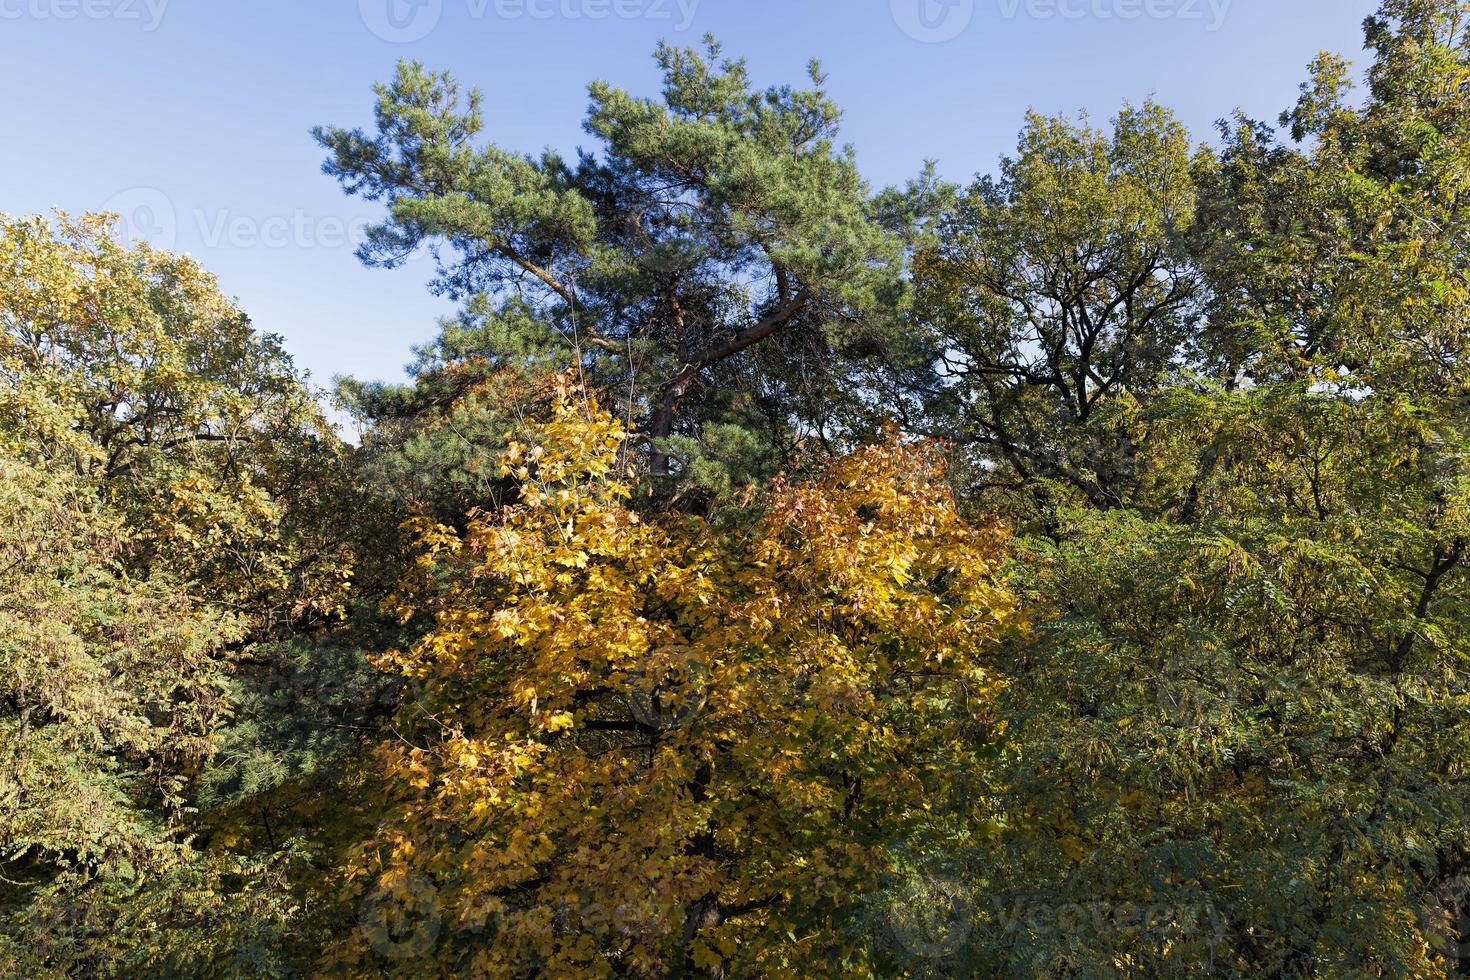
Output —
<point x="192" y="118"/>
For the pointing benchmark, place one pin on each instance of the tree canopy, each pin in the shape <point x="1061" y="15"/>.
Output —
<point x="766" y="574"/>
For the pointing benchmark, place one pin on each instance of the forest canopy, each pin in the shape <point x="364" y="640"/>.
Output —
<point x="764" y="573"/>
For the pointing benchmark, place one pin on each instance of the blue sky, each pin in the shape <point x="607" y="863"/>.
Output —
<point x="192" y="116"/>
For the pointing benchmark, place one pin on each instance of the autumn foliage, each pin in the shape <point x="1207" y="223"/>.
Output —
<point x="634" y="740"/>
<point x="763" y="575"/>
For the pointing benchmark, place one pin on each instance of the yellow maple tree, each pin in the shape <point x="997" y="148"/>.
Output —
<point x="643" y="747"/>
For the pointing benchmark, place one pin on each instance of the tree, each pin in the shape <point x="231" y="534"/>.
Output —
<point x="130" y="368"/>
<point x="1056" y="297"/>
<point x="1242" y="707"/>
<point x="490" y="694"/>
<point x="163" y="479"/>
<point x="719" y="266"/>
<point x="1252" y="724"/>
<point x="641" y="746"/>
